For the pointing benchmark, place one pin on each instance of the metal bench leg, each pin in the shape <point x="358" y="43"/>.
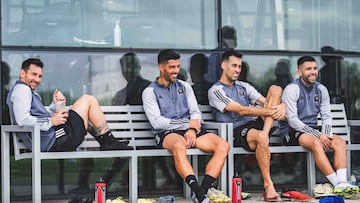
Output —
<point x="133" y="185"/>
<point x="36" y="165"/>
<point x="5" y="169"/>
<point x="311" y="171"/>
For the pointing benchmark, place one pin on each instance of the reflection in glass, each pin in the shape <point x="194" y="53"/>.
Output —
<point x="77" y="23"/>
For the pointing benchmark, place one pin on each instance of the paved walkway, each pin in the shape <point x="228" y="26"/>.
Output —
<point x="255" y="198"/>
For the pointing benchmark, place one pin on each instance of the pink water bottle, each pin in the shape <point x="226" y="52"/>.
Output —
<point x="236" y="189"/>
<point x="100" y="191"/>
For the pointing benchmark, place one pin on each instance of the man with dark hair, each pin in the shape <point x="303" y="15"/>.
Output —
<point x="227" y="40"/>
<point x="334" y="75"/>
<point x="130" y="69"/>
<point x="227" y="37"/>
<point x="198" y="68"/>
<point x="305" y="98"/>
<point x="61" y="130"/>
<point x="233" y="102"/>
<point x="173" y="112"/>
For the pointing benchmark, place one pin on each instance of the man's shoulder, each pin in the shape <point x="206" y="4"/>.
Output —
<point x="21" y="87"/>
<point x="217" y="85"/>
<point x="292" y="86"/>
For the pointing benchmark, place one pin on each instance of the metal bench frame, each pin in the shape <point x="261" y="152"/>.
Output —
<point x="133" y="120"/>
<point x="126" y="122"/>
<point x="340" y="127"/>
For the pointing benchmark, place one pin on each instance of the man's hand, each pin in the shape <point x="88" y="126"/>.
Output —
<point x="195" y="123"/>
<point x="58" y="97"/>
<point x="279" y="112"/>
<point x="190" y="138"/>
<point x="326" y="141"/>
<point x="59" y="118"/>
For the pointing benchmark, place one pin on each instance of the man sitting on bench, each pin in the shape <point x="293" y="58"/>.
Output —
<point x="171" y="107"/>
<point x="233" y="102"/>
<point x="61" y="130"/>
<point x="305" y="98"/>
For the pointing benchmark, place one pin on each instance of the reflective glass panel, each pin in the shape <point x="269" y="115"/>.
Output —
<point x="293" y="24"/>
<point x="142" y="24"/>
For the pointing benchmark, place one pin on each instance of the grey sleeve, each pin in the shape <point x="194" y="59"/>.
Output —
<point x="290" y="97"/>
<point x="153" y="114"/>
<point x="325" y="111"/>
<point x="218" y="98"/>
<point x="21" y="99"/>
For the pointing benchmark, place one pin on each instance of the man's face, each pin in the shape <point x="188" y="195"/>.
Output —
<point x="232" y="68"/>
<point x="170" y="70"/>
<point x="31" y="77"/>
<point x="308" y="72"/>
<point x="130" y="73"/>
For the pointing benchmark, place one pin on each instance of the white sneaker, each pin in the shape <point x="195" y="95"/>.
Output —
<point x="217" y="196"/>
<point x="195" y="200"/>
<point x="323" y="190"/>
<point x="346" y="190"/>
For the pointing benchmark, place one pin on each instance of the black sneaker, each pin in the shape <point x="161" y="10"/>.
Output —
<point x="109" y="142"/>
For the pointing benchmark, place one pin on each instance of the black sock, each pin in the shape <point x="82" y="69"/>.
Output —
<point x="207" y="183"/>
<point x="195" y="187"/>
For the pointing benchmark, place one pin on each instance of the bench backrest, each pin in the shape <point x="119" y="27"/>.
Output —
<point x="127" y="122"/>
<point x="339" y="125"/>
<point x="130" y="123"/>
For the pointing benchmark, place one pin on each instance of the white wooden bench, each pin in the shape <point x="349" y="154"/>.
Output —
<point x="127" y="123"/>
<point x="339" y="126"/>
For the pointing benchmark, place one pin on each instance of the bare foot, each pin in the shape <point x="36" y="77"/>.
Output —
<point x="271" y="192"/>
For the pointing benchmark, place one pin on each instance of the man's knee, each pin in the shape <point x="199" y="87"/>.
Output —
<point x="223" y="147"/>
<point x="317" y="146"/>
<point x="178" y="149"/>
<point x="262" y="140"/>
<point x="338" y="143"/>
<point x="275" y="91"/>
<point x="87" y="97"/>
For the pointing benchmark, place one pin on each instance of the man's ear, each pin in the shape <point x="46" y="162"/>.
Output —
<point x="223" y="65"/>
<point x="22" y="73"/>
<point x="299" y="71"/>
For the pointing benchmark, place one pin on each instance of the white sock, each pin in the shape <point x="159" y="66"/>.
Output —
<point x="341" y="175"/>
<point x="332" y="178"/>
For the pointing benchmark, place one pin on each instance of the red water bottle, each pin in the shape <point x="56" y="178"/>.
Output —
<point x="236" y="189"/>
<point x="100" y="191"/>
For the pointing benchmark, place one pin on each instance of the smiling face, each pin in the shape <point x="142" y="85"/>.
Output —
<point x="231" y="69"/>
<point x="32" y="76"/>
<point x="308" y="72"/>
<point x="169" y="71"/>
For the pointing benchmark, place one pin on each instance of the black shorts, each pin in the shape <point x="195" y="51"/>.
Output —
<point x="159" y="138"/>
<point x="240" y="133"/>
<point x="292" y="138"/>
<point x="69" y="135"/>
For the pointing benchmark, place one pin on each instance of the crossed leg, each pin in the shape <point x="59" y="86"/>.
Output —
<point x="259" y="141"/>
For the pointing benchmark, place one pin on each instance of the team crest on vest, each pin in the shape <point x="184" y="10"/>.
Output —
<point x="317" y="98"/>
<point x="242" y="92"/>
<point x="180" y="90"/>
